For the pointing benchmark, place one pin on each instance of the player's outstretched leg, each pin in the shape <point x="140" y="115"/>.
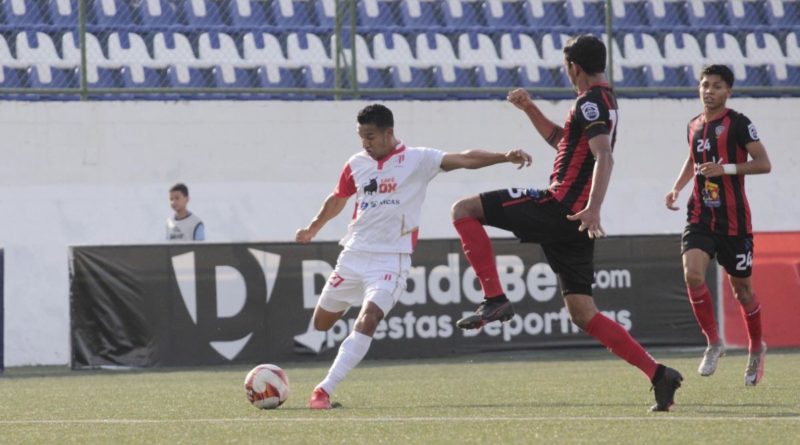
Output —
<point x="665" y="382"/>
<point x="491" y="309"/>
<point x="755" y="366"/>
<point x="351" y="352"/>
<point x="710" y="359"/>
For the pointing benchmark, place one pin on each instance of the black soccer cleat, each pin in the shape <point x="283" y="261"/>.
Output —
<point x="665" y="383"/>
<point x="498" y="308"/>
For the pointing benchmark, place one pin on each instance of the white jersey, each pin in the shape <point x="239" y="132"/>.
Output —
<point x="389" y="195"/>
<point x="185" y="229"/>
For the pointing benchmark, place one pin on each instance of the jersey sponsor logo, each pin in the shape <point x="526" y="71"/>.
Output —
<point x="387" y="185"/>
<point x="590" y="111"/>
<point x="710" y="194"/>
<point x="752" y="130"/>
<point x="371" y="187"/>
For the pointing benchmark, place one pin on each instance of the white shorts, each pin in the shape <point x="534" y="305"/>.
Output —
<point x="365" y="276"/>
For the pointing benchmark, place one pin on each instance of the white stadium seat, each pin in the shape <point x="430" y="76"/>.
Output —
<point x="526" y="55"/>
<point x="439" y="53"/>
<point x="647" y="54"/>
<point x="689" y="54"/>
<point x="226" y="57"/>
<point x="768" y="55"/>
<point x="180" y="56"/>
<point x="270" y="55"/>
<point x="311" y="55"/>
<point x="483" y="55"/>
<point x="42" y="54"/>
<point x="94" y="54"/>
<point x="133" y="56"/>
<point x="398" y="56"/>
<point x="723" y="47"/>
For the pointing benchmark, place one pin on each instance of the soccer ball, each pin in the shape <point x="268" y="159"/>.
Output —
<point x="266" y="386"/>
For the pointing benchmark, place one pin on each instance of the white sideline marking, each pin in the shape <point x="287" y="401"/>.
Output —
<point x="654" y="417"/>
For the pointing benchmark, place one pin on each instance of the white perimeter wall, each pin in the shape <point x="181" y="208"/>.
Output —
<point x="98" y="173"/>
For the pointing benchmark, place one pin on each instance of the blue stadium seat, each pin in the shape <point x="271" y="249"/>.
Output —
<point x="545" y="16"/>
<point x="151" y="78"/>
<point x="745" y="14"/>
<point x="56" y="78"/>
<point x="792" y="78"/>
<point x="630" y="15"/>
<point x="463" y="79"/>
<point x="24" y="15"/>
<point x="11" y="77"/>
<point x="106" y="78"/>
<point x="374" y="15"/>
<point x="311" y="81"/>
<point x="326" y="13"/>
<point x="462" y="16"/>
<point x="110" y="15"/>
<point x="503" y="15"/>
<point x="247" y="14"/>
<point x="755" y="76"/>
<point x="707" y="15"/>
<point x="203" y="14"/>
<point x="784" y="14"/>
<point x="283" y="78"/>
<point x="297" y="14"/>
<point x="586" y="16"/>
<point x="159" y="15"/>
<point x="420" y="15"/>
<point x="673" y="76"/>
<point x="506" y="78"/>
<point x="242" y="78"/>
<point x="665" y="15"/>
<point x="631" y="77"/>
<point x="544" y="78"/>
<point x="418" y="78"/>
<point x="63" y="13"/>
<point x="197" y="78"/>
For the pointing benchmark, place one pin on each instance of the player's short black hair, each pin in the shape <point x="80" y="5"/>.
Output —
<point x="376" y="114"/>
<point x="587" y="51"/>
<point x="721" y="70"/>
<point x="180" y="187"/>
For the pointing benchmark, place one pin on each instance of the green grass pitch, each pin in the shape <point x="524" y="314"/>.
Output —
<point x="553" y="397"/>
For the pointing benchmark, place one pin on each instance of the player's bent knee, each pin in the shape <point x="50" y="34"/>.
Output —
<point x="467" y="208"/>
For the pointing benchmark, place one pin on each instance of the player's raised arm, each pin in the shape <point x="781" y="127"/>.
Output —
<point x="473" y="159"/>
<point x="550" y="131"/>
<point x="332" y="206"/>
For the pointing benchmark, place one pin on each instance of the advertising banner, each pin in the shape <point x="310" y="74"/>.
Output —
<point x="202" y="304"/>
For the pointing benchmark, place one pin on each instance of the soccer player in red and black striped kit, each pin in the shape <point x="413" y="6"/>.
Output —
<point x="720" y="141"/>
<point x="565" y="218"/>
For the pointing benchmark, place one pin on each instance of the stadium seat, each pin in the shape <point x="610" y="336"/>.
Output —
<point x="420" y="15"/>
<point x="364" y="60"/>
<point x="268" y="57"/>
<point x="190" y="78"/>
<point x="725" y="47"/>
<point x="247" y="14"/>
<point x="676" y="76"/>
<point x="782" y="13"/>
<point x="682" y="49"/>
<point x="586" y="15"/>
<point x="326" y="13"/>
<point x="418" y="78"/>
<point x="225" y="56"/>
<point x="755" y="76"/>
<point x="313" y="80"/>
<point x="6" y="59"/>
<point x="436" y="50"/>
<point x="642" y="50"/>
<point x="476" y="49"/>
<point x="11" y="78"/>
<point x="503" y="15"/>
<point x="159" y="15"/>
<point x="462" y="78"/>
<point x="202" y="14"/>
<point x="741" y="13"/>
<point x="129" y="51"/>
<point x="518" y="50"/>
<point x="22" y="14"/>
<point x="306" y="51"/>
<point x="633" y="77"/>
<point x="378" y="15"/>
<point x="544" y="78"/>
<point x="71" y="51"/>
<point x="278" y="78"/>
<point x="664" y="15"/>
<point x="706" y="15"/>
<point x="110" y="14"/>
<point x="179" y="58"/>
<point x="236" y="78"/>
<point x="294" y="15"/>
<point x="63" y="13"/>
<point x="764" y="49"/>
<point x="37" y="49"/>
<point x="553" y="50"/>
<point x="462" y="16"/>
<point x="144" y="77"/>
<point x="793" y="47"/>
<point x="104" y="78"/>
<point x="629" y="15"/>
<point x="505" y="78"/>
<point x="792" y="78"/>
<point x="545" y="16"/>
<point x="393" y="50"/>
<point x="47" y="77"/>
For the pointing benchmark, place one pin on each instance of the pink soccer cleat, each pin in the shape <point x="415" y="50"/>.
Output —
<point x="319" y="399"/>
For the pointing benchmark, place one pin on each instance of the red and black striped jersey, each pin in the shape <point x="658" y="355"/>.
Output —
<point x="594" y="113"/>
<point x="720" y="203"/>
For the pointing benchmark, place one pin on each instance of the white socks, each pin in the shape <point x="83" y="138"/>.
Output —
<point x="351" y="351"/>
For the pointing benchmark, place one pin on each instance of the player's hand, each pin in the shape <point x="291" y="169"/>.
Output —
<point x="710" y="169"/>
<point x="304" y="236"/>
<point x="520" y="98"/>
<point x="520" y="157"/>
<point x="590" y="222"/>
<point x="670" y="199"/>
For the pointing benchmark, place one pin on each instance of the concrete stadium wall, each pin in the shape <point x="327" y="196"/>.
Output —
<point x="98" y="173"/>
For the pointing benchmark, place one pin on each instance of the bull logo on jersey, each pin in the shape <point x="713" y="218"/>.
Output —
<point x="590" y="111"/>
<point x="372" y="187"/>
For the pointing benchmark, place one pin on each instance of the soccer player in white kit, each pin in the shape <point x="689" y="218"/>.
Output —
<point x="389" y="180"/>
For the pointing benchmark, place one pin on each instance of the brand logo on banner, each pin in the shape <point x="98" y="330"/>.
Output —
<point x="229" y="296"/>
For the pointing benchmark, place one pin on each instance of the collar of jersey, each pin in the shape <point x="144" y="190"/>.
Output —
<point x="399" y="148"/>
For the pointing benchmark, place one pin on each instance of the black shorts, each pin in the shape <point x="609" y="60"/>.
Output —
<point x="734" y="253"/>
<point x="534" y="216"/>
